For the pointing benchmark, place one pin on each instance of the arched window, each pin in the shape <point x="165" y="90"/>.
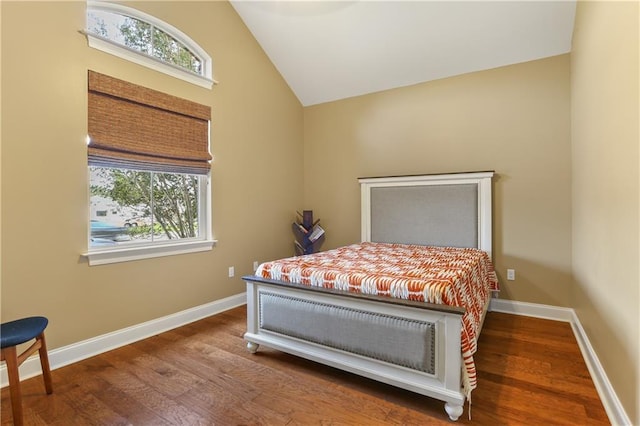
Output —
<point x="146" y="40"/>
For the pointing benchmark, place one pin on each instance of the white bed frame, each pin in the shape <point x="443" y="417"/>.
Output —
<point x="445" y="382"/>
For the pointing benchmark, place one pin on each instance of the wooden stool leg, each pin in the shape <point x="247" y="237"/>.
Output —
<point x="11" y="357"/>
<point x="44" y="362"/>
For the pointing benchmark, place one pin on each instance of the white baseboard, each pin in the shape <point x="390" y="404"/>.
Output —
<point x="75" y="352"/>
<point x="532" y="310"/>
<point x="615" y="411"/>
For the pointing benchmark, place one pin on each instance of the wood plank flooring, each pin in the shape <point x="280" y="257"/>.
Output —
<point x="530" y="372"/>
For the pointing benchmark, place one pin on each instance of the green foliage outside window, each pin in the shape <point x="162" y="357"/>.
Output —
<point x="143" y="37"/>
<point x="165" y="204"/>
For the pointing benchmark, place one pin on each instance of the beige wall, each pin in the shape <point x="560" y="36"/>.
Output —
<point x="604" y="76"/>
<point x="561" y="133"/>
<point x="514" y="120"/>
<point x="256" y="176"/>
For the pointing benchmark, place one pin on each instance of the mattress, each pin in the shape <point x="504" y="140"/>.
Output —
<point x="453" y="276"/>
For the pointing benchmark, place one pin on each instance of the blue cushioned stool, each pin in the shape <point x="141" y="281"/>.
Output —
<point x="12" y="334"/>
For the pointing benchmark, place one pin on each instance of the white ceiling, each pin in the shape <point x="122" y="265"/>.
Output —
<point x="330" y="50"/>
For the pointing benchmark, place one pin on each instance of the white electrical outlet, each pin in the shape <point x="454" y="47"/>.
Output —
<point x="232" y="271"/>
<point x="255" y="265"/>
<point x="511" y="274"/>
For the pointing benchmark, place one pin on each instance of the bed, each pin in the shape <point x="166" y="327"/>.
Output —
<point x="404" y="306"/>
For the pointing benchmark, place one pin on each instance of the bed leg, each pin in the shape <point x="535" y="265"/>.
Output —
<point x="252" y="347"/>
<point x="453" y="410"/>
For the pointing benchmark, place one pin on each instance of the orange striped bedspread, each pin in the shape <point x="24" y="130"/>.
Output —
<point x="445" y="275"/>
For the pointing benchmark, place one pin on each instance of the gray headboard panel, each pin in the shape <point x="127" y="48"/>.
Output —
<point x="440" y="215"/>
<point x="440" y="210"/>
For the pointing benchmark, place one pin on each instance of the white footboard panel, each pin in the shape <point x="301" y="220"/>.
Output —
<point x="410" y="347"/>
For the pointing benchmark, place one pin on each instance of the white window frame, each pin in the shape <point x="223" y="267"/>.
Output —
<point x="129" y="252"/>
<point x="106" y="45"/>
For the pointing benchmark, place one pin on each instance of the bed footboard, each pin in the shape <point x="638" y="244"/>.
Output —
<point x="400" y="343"/>
<point x="397" y="340"/>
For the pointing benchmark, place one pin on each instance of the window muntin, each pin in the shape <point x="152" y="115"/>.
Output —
<point x="145" y="208"/>
<point x="146" y="40"/>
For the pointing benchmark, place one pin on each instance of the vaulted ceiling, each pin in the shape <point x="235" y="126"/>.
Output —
<point x="331" y="50"/>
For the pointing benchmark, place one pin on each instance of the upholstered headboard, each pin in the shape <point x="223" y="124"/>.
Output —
<point x="441" y="210"/>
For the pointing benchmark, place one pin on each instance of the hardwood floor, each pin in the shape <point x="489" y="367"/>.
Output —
<point x="530" y="372"/>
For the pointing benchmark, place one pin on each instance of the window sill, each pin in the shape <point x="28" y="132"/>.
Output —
<point x="105" y="256"/>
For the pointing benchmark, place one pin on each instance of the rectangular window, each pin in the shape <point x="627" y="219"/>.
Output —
<point x="149" y="207"/>
<point x="148" y="158"/>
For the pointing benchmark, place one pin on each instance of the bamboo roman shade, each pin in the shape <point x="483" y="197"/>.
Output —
<point x="132" y="127"/>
